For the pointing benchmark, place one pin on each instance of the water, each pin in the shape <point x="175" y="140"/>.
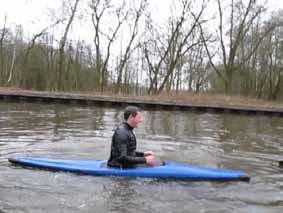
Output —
<point x="250" y="143"/>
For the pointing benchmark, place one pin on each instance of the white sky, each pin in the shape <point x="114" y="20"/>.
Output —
<point x="32" y="14"/>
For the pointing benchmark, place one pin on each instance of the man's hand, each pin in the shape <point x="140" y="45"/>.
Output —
<point x="148" y="153"/>
<point x="150" y="160"/>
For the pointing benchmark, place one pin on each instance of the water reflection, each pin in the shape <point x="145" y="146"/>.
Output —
<point x="254" y="144"/>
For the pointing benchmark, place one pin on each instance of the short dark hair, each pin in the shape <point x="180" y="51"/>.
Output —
<point x="130" y="110"/>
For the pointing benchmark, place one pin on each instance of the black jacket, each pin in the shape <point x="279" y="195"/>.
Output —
<point x="123" y="148"/>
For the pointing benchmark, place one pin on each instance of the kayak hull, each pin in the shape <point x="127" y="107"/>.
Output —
<point x="170" y="169"/>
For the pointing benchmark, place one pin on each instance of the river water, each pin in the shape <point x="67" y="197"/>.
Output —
<point x="250" y="143"/>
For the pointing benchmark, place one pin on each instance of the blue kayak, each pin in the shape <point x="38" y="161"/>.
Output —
<point x="169" y="169"/>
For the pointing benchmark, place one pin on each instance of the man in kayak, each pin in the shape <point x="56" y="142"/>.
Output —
<point x="123" y="147"/>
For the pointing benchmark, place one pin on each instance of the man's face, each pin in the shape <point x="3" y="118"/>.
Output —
<point x="135" y="120"/>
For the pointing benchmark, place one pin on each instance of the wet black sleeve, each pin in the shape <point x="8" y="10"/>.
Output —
<point x="139" y="154"/>
<point x="129" y="160"/>
<point x="121" y="140"/>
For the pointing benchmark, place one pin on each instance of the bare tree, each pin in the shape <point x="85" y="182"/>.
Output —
<point x="176" y="46"/>
<point x="99" y="9"/>
<point x="137" y="13"/>
<point x="30" y="46"/>
<point x="198" y="71"/>
<point x="272" y="54"/>
<point x="61" y="62"/>
<point x="2" y="37"/>
<point x="241" y="18"/>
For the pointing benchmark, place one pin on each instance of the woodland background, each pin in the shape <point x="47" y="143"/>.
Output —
<point x="236" y="49"/>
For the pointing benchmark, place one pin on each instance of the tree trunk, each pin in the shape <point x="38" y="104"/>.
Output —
<point x="61" y="64"/>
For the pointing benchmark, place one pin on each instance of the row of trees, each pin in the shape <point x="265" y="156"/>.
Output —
<point x="236" y="49"/>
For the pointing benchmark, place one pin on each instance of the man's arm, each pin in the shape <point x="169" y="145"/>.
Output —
<point x="129" y="160"/>
<point x="140" y="154"/>
<point x="121" y="140"/>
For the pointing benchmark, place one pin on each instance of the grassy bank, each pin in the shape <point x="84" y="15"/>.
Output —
<point x="185" y="97"/>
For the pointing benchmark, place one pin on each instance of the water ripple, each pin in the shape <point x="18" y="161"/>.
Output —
<point x="253" y="144"/>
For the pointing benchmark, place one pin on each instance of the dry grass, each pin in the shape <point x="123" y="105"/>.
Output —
<point x="185" y="97"/>
<point x="206" y="99"/>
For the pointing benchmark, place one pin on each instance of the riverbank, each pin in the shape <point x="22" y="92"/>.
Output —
<point x="202" y="101"/>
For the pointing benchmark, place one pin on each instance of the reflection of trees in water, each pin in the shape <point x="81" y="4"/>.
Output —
<point x="59" y="118"/>
<point x="97" y="118"/>
<point x="29" y="118"/>
<point x="248" y="133"/>
<point x="92" y="119"/>
<point x="160" y="123"/>
<point x="118" y="117"/>
<point x="177" y="124"/>
<point x="73" y="118"/>
<point x="230" y="131"/>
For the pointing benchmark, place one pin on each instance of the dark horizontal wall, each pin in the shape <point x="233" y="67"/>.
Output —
<point x="69" y="98"/>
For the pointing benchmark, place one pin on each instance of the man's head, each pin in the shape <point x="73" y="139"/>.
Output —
<point x="132" y="115"/>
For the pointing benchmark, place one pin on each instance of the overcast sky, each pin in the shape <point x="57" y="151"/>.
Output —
<point x="32" y="14"/>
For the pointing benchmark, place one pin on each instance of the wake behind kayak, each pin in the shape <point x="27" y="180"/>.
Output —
<point x="169" y="169"/>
